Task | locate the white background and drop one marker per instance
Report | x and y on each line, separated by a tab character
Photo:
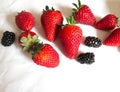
18	73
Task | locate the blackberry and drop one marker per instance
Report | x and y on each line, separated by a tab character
86	58
92	41
8	38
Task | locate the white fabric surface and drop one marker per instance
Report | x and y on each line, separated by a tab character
18	73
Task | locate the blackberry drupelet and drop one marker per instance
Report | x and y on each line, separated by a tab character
92	41
8	38
86	58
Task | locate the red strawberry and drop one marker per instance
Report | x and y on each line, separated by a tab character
27	39
113	39
46	56
70	36
108	22
25	20
42	54
83	14
50	20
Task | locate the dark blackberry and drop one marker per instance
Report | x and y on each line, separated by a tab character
86	58
8	38
92	41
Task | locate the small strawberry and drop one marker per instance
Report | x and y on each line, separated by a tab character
83	14
46	56
113	39
27	39
109	22
70	36
50	20
25	21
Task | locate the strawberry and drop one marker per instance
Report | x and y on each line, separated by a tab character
50	20
27	39
70	36
109	22
25	21
83	14
113	39
42	54
46	56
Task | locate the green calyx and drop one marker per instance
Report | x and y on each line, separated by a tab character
27	42
36	48
31	44
71	20
77	6
47	8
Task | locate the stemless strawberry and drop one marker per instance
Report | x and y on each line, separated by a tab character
113	39
25	20
109	22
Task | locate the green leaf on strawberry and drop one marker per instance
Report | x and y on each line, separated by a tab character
71	20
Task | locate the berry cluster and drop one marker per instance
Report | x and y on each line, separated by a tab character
88	58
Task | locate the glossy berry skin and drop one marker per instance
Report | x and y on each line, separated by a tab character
86	58
70	37
47	57
25	21
50	20
84	15
8	38
113	39
109	22
92	41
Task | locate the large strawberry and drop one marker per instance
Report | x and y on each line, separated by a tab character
83	14
46	56
113	39
50	20
25	20
27	39
109	22
70	36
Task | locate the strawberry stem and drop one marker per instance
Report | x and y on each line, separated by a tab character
79	3
47	8
77	6
71	20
